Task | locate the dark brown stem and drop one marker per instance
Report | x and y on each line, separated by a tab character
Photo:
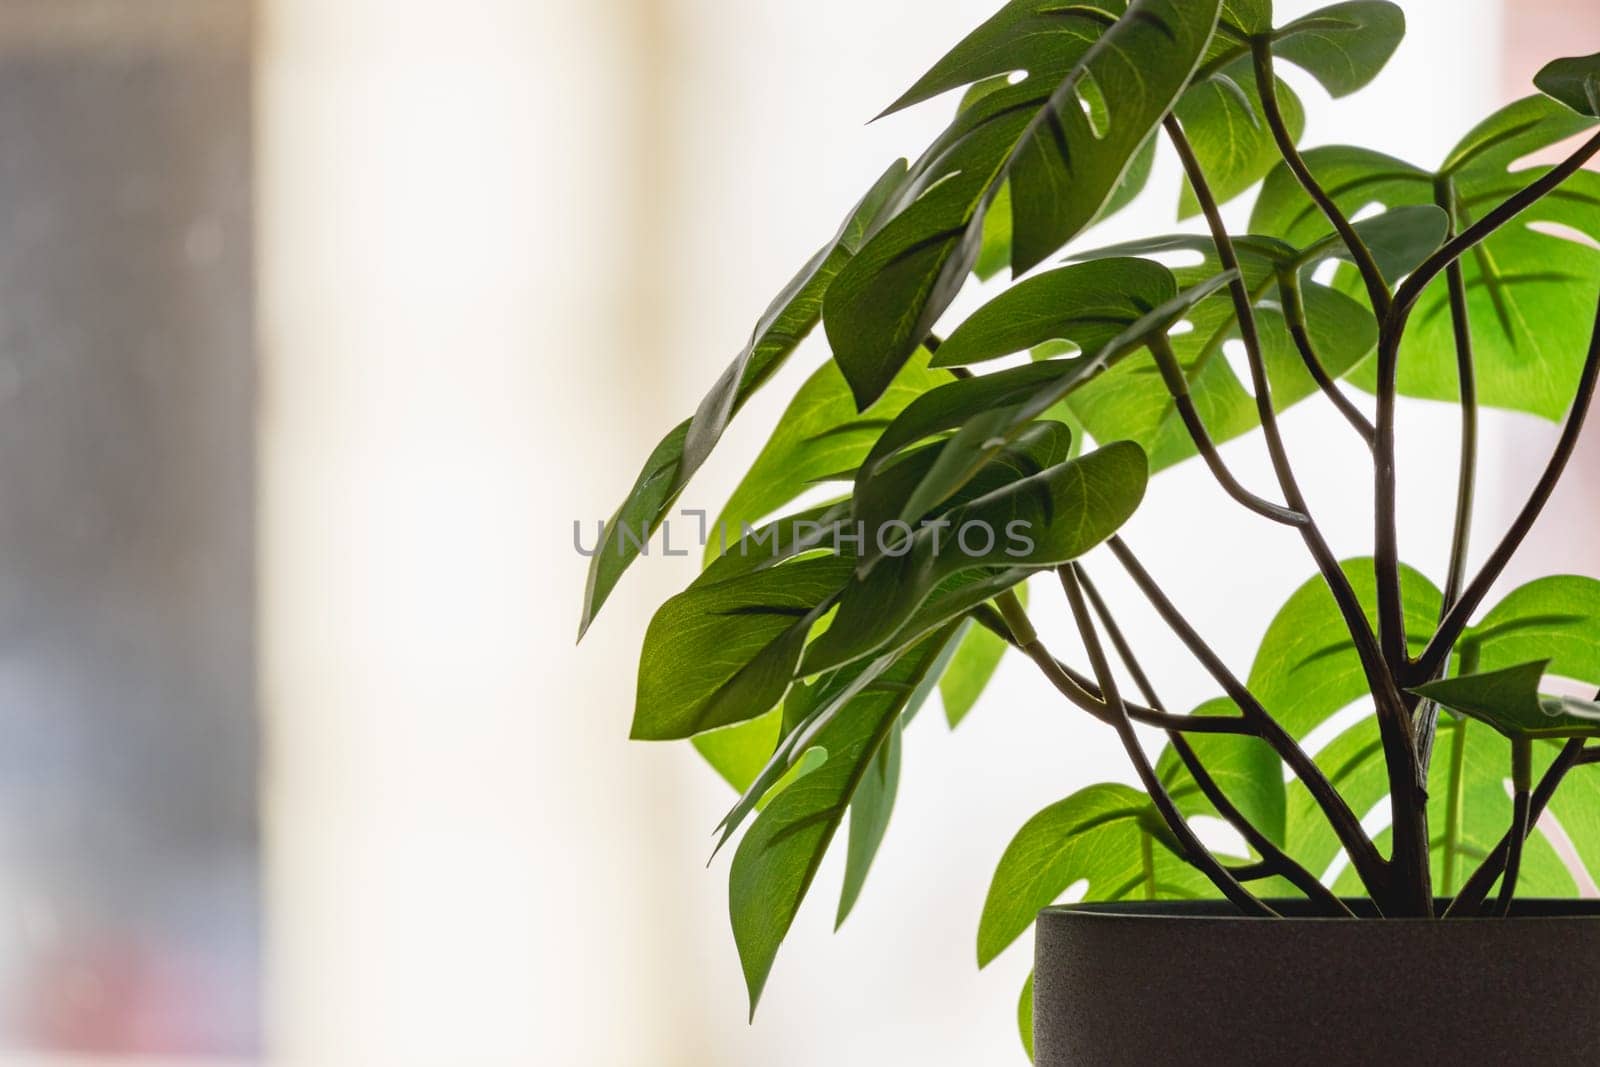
1084	694
1294	313
1195	852
1470	899
1178	387
1455	622
1267	86
1467	472
1273	859
1364	856
1412	288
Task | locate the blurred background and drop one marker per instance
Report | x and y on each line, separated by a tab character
321	323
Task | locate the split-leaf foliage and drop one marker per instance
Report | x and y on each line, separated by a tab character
877	550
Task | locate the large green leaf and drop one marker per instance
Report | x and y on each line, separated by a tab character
1246	769
1088	304
1106	835
1063	160
1529	290
819	438
779	856
1306	668
1555	618
1509	700
682	452
1034	523
724	652
1469	810
1575	82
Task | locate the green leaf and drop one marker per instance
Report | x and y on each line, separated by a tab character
870	809
1246	769
1509	701
1025	1016
1470	769
724	652
1575	82
1131	399
1343	46
1529	290
779	856
1095	835
1306	668
1041	135
682	452
1224	121
1555	618
739	752
1088	304
1037	522
978	656
924	484
819	438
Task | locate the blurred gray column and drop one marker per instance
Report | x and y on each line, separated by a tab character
128	907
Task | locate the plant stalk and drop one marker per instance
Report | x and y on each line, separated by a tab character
1195	852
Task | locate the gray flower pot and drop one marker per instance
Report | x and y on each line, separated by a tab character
1159	984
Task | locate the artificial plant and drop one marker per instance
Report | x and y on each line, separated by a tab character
809	641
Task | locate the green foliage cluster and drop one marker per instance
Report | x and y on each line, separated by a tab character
795	662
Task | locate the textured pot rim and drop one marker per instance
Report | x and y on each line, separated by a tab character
1534	910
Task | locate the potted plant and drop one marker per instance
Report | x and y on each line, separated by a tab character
797	657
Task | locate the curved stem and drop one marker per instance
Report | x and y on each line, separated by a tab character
1364	856
1294	313
1178	387
1274	861
1195	852
1380	663
1084	694
1412	288
1267	86
1521	777
1460	613
1466	478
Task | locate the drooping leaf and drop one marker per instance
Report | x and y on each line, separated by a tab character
1063	163
1509	700
1034	523
682	452
1088	304
779	856
1529	286
1575	82
978	656
925	483
724	652
1246	769
870	809
820	437
1106	835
